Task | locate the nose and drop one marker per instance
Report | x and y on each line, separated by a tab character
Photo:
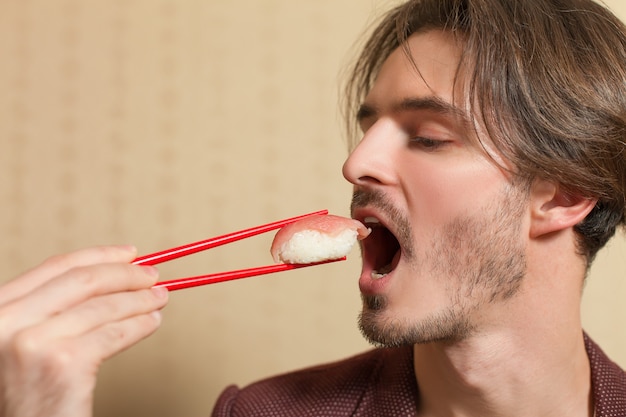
372	160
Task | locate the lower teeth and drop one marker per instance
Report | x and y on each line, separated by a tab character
382	272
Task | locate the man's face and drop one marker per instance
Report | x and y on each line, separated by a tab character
447	244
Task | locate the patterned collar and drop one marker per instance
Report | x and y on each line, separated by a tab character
608	382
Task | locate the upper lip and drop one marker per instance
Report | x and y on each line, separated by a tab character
363	213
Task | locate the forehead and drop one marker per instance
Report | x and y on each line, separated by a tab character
430	71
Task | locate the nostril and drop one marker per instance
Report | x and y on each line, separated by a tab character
359	170
350	171
368	180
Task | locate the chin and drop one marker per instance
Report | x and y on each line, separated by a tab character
382	328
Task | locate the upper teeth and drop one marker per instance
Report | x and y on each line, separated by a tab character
371	220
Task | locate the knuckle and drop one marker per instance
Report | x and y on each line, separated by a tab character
133	329
65	262
107	278
84	277
100	307
58	262
25	344
94	278
27	347
119	307
87	276
60	358
116	335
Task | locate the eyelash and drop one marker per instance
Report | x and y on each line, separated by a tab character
428	144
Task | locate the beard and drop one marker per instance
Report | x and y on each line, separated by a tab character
480	257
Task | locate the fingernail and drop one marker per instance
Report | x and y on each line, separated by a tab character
151	270
160	292
128	248
157	316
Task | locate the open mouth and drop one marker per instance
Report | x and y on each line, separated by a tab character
381	248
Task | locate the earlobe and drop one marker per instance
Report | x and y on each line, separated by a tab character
554	209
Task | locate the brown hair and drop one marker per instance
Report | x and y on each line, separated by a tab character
549	81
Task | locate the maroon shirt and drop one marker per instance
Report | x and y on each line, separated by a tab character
382	383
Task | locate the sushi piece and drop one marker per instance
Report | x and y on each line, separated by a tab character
316	239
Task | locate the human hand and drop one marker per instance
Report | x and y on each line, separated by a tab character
62	319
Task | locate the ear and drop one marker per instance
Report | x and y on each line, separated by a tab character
553	209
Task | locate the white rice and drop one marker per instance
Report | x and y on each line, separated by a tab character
310	246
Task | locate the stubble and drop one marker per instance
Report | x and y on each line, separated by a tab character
482	261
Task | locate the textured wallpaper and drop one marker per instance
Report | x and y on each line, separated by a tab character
162	122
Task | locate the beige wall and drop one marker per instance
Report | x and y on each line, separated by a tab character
160	122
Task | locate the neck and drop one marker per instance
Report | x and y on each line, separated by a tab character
504	375
533	366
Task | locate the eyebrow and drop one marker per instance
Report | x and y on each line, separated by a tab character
431	103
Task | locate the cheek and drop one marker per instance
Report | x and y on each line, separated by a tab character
436	192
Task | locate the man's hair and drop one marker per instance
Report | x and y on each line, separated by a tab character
548	79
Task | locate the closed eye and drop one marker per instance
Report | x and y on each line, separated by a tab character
427	144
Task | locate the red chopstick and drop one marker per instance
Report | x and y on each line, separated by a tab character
181	283
180	251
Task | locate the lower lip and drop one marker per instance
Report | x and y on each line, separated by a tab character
371	286
375	286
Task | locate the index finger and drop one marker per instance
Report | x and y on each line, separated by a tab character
60	264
